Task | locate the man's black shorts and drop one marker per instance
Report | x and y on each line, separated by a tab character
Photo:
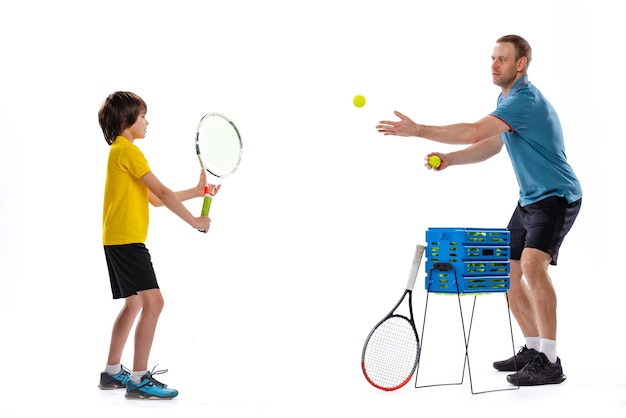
542	225
130	269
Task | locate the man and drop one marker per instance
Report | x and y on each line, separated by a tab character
549	199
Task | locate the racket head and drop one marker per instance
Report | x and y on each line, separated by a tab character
391	353
218	145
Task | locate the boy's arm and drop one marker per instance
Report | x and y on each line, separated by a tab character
196	191
170	199
181	195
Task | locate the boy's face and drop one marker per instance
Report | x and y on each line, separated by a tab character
138	130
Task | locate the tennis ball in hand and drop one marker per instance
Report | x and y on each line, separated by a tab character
434	161
359	100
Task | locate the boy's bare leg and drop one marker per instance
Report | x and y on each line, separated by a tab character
121	328
152	303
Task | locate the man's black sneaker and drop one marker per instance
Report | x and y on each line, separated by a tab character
517	362
540	371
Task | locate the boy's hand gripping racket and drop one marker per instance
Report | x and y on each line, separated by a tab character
219	148
392	349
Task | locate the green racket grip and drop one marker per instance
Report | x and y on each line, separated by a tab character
206	205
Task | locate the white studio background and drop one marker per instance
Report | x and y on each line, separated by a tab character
312	238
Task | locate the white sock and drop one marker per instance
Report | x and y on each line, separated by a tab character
533	342
548	347
137	376
113	369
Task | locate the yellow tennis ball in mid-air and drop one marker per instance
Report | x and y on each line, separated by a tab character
434	161
359	100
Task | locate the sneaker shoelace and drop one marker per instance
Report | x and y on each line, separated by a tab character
525	350
536	363
153	380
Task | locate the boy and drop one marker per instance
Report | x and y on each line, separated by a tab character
130	186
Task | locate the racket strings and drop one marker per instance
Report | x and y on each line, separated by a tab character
218	145
390	356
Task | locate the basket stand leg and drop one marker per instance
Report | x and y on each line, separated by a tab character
422	342
467	340
466	337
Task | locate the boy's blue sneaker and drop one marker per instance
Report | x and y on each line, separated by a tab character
149	388
114	381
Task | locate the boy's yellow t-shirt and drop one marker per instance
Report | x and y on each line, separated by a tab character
126	214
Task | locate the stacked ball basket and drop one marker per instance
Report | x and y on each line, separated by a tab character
467	260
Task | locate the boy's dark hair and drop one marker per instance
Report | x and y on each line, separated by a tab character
119	111
522	47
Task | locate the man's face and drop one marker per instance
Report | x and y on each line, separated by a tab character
504	66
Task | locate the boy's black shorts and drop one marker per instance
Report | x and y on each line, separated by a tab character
542	225
130	269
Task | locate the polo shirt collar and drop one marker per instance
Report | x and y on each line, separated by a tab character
519	83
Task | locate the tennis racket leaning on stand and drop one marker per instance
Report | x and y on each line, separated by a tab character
219	148
392	349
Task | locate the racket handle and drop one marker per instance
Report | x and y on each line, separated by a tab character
417	260
206	205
